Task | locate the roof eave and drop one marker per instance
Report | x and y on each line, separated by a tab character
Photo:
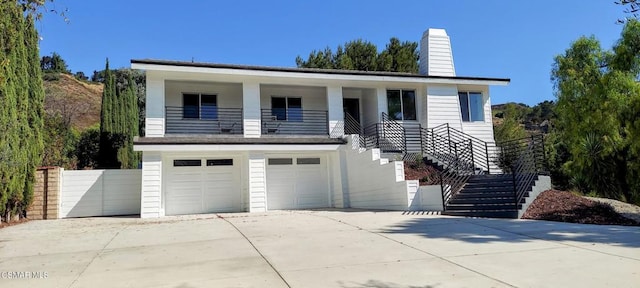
177	66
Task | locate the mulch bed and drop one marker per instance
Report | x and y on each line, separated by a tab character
562	206
425	173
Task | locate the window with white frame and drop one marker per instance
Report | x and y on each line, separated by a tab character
471	106
287	108
401	104
199	106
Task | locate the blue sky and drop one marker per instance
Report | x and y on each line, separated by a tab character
492	38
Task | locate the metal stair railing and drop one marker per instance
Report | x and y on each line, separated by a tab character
352	126
527	167
509	152
392	135
455	175
480	154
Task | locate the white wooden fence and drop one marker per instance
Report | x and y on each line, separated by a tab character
86	193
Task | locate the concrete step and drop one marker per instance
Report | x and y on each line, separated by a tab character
482	207
484	200
512	214
466	195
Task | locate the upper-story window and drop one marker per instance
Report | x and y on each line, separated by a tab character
471	106
287	108
401	104
199	106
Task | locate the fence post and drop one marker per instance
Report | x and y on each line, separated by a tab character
486	150
515	187
422	150
404	138
444	204
328	126
544	156
433	142
457	160
377	136
449	138
473	163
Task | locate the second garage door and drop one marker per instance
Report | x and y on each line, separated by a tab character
202	186
297	183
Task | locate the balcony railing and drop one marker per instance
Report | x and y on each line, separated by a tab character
203	120
294	122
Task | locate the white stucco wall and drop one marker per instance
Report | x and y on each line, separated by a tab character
542	184
335	111
252	120
313	98
369	104
426	198
154	113
229	95
374	183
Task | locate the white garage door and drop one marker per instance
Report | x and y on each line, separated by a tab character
202	186
297	183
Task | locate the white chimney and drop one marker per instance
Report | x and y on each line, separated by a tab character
436	58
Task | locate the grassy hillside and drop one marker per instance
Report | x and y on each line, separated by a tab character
78	102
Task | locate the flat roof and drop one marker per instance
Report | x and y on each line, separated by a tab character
308	70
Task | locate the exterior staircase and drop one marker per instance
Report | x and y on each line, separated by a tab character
477	178
486	196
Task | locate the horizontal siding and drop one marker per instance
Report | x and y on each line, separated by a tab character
443	106
154	127
257	184
150	203
440	59
481	130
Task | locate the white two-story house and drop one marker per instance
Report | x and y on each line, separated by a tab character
227	138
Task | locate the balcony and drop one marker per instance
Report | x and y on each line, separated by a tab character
203	120
294	122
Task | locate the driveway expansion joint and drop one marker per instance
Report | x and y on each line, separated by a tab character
257	250
104	248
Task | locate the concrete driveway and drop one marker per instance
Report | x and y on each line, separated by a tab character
318	249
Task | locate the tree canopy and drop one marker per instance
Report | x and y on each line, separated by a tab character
363	55
119	120
21	108
597	107
54	63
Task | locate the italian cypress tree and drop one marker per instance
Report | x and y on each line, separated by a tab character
35	112
21	108
105	112
118	122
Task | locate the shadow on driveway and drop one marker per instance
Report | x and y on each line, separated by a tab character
475	230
